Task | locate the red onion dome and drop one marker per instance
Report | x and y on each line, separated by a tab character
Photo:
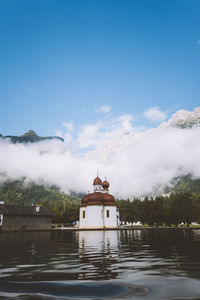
105	184
97	181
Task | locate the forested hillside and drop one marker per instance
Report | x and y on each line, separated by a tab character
170	210
185	184
182	204
65	207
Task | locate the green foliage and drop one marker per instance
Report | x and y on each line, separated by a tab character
172	210
65	207
186	184
181	206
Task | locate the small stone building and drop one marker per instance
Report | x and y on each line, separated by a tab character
15	218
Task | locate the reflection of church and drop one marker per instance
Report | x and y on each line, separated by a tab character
98	251
98	209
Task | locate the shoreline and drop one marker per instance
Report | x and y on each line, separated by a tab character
124	228
103	229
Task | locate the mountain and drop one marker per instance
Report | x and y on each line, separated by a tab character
30	137
185	118
185	184
182	119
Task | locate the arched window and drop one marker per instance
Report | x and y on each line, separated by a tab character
107	213
83	214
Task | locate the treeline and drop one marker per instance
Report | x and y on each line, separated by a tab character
182	206
162	211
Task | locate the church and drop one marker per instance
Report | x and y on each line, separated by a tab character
98	210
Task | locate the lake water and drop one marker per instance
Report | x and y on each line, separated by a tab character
125	264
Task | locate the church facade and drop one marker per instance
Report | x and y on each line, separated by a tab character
98	210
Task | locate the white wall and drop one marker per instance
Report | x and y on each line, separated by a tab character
82	221
112	220
93	217
96	217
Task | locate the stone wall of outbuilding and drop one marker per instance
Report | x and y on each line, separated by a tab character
16	223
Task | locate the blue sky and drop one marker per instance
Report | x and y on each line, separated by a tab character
84	61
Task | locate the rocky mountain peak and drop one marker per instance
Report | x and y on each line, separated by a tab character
30	133
185	118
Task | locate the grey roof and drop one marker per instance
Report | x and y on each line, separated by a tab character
16	210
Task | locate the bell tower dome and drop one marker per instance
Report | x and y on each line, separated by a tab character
97	184
105	186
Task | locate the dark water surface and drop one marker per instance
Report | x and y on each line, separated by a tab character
126	264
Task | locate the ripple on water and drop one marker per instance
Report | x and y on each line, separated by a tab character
78	290
145	258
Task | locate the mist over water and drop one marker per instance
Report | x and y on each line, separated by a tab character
135	264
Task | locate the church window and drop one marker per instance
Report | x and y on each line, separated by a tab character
107	213
83	214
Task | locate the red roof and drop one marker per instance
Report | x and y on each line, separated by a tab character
16	210
97	198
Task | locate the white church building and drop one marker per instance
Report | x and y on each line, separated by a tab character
98	209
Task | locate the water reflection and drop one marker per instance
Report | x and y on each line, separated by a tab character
151	258
98	252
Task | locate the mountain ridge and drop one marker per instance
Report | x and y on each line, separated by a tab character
29	137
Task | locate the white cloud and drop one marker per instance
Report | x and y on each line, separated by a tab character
104	109
155	114
94	135
136	163
68	138
125	121
58	133
88	135
68	125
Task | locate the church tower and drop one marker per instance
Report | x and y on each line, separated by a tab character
98	209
